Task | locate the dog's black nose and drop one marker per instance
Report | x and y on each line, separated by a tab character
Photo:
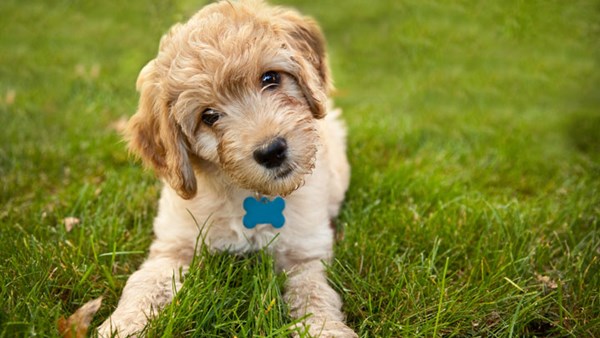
273	154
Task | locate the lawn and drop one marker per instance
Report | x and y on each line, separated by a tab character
474	138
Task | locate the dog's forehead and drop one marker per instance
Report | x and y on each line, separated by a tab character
226	49
234	30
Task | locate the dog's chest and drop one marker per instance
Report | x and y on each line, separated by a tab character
227	228
219	222
233	237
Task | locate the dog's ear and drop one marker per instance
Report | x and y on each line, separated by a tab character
306	39
153	134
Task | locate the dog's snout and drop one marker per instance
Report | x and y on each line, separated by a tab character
273	154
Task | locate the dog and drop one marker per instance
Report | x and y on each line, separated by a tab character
235	117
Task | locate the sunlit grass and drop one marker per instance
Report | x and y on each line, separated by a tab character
473	137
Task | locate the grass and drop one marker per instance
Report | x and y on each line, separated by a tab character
474	140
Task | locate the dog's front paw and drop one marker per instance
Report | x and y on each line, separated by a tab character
120	327
325	329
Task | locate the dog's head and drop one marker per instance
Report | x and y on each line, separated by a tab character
237	88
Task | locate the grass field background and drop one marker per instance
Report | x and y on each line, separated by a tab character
474	140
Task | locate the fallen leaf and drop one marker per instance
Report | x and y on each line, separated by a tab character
95	71
547	281
119	125
76	326
70	222
10	97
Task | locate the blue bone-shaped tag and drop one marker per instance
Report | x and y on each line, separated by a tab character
263	211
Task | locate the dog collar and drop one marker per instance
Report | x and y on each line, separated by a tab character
261	210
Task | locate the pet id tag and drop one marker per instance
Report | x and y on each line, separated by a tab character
263	211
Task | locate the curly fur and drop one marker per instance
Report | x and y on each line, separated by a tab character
215	60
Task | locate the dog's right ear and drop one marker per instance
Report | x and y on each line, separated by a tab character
305	37
154	135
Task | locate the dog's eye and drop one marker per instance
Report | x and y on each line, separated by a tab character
210	117
270	80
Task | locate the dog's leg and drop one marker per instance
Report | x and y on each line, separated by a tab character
147	291
308	293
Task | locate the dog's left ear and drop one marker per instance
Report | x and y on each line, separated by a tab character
307	41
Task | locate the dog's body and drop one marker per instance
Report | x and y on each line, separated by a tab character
234	107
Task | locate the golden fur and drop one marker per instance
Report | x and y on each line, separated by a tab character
215	61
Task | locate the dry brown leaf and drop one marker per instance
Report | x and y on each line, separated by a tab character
9	99
95	71
547	281
119	125
70	222
77	325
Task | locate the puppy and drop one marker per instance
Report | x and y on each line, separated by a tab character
234	117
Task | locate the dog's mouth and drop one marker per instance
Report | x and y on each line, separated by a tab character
283	173
276	168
